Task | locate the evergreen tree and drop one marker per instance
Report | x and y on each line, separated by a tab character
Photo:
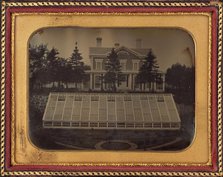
47	67
148	70
76	58
113	75
64	71
78	73
180	80
37	65
53	66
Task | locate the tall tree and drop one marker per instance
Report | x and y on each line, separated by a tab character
175	76
77	66
113	75
148	70
180	80
64	71
37	65
53	66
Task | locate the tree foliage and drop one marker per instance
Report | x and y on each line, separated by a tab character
53	65
180	77
37	65
76	58
47	67
180	80
113	75
77	66
64	72
148	70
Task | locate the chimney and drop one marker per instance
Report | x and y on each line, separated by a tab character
116	45
138	43
99	41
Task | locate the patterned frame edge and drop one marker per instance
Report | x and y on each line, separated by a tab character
216	5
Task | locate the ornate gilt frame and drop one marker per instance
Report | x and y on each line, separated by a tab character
12	134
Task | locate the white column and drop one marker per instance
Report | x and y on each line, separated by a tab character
132	82
91	79
154	84
164	82
102	83
129	76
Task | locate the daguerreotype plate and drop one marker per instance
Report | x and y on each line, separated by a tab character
111	88
129	89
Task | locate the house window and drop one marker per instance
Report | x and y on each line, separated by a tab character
98	65
94	98
78	98
61	98
135	66
127	98
159	86
159	83
111	98
160	99
123	66
148	85
97	82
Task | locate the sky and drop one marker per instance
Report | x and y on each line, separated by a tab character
170	45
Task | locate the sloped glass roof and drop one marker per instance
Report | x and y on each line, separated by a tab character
111	110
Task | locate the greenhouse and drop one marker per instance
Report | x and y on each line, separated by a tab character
111	111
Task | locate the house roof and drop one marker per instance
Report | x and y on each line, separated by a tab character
111	110
104	51
99	50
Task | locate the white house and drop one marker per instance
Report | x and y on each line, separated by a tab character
130	59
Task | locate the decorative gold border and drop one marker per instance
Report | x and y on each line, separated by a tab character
3	88
114	4
219	76
108	4
22	132
209	85
115	173
12	84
